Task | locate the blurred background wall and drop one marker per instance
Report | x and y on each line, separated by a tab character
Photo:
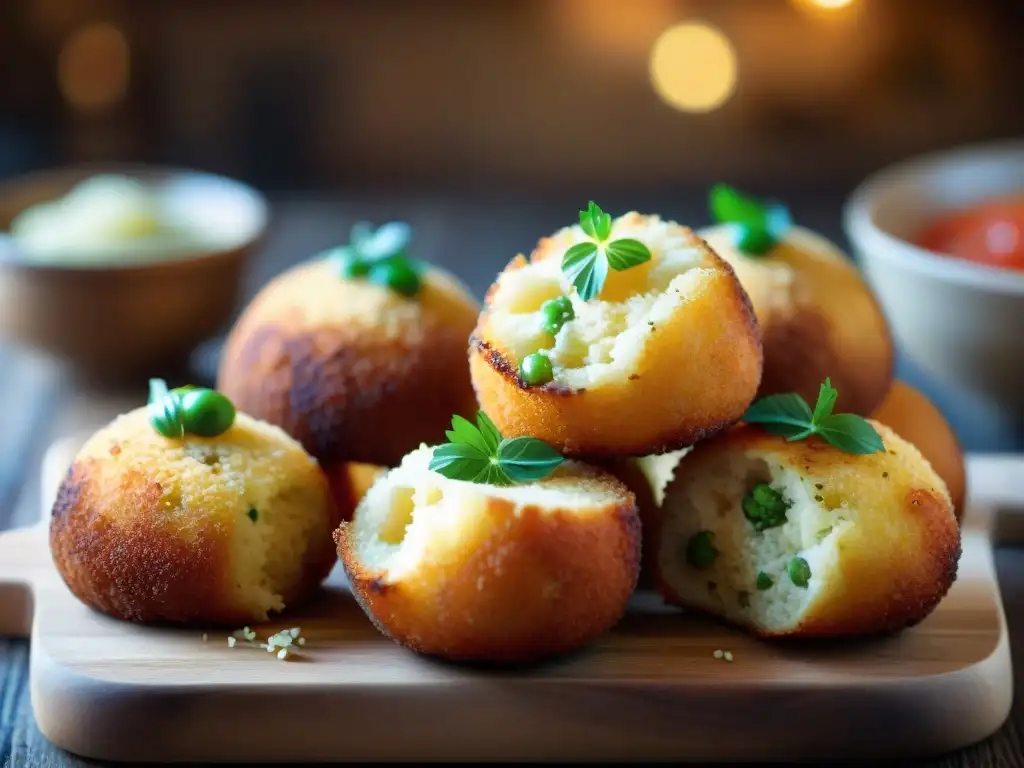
530	97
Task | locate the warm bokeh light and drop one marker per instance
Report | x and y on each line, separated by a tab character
824	5
693	67
601	27
93	67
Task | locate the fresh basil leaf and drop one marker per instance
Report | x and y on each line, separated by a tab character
463	431
490	432
586	269
157	390
493	474
166	415
789	409
729	205
600	221
626	253
524	458
779	220
753	240
827	395
389	240
603	225
587	222
850	433
361	232
459	461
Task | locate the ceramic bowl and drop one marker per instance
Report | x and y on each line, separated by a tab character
958	321
123	317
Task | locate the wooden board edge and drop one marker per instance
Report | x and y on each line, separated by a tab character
529	719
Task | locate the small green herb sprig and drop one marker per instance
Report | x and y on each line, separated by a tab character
193	410
758	226
380	256
479	454
586	264
789	415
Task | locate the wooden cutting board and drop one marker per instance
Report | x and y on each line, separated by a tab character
651	689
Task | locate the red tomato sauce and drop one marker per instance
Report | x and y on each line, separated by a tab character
989	233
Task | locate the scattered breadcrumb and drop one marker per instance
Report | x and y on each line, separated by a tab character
283	644
205	637
720	654
728	656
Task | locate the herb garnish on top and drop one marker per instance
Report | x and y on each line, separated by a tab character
789	415
380	256
758	226
586	264
479	454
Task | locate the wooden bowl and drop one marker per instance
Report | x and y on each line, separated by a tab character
126	317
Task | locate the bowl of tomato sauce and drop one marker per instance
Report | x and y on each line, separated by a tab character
940	238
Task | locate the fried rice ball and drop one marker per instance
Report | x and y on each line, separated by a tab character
817	317
911	415
801	539
354	371
668	353
473	572
211	530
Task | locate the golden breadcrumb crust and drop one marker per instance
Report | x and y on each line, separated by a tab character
818	318
146	529
630	475
352	370
522	584
894	565
915	418
696	375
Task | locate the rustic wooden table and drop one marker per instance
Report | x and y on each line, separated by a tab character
474	238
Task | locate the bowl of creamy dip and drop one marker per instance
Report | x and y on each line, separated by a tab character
121	270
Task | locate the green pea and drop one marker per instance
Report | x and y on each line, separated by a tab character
764	581
700	550
799	571
536	369
208	413
557	312
754	240
398	274
764	507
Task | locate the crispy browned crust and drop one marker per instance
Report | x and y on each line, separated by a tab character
138	567
649	513
345	394
537	584
661	407
915	591
882	584
912	416
799	353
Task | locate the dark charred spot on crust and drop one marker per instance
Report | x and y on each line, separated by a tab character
115	448
379	587
634	376
503	366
